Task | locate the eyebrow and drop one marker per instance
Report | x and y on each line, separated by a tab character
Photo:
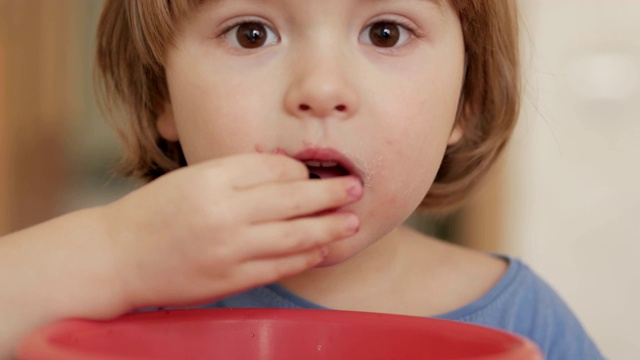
440	5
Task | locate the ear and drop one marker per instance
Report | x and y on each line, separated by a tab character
456	134
165	123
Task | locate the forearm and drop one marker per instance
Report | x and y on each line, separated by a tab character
55	270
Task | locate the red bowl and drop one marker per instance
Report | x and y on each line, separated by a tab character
271	334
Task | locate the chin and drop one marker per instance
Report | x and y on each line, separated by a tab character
334	257
340	252
329	261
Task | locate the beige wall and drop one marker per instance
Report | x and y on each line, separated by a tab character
572	205
35	95
54	147
3	122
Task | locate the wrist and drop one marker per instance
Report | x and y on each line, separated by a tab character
93	274
65	268
59	269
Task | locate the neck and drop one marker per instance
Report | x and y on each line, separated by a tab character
348	284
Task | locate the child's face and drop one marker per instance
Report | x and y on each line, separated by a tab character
377	81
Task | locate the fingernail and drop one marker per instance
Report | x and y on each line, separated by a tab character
354	188
352	223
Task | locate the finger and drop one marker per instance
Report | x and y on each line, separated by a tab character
288	237
268	270
247	170
278	201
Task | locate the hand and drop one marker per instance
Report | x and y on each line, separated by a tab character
220	227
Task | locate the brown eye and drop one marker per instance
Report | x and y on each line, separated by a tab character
384	34
250	35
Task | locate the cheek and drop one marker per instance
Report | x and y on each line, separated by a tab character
214	121
413	148
414	167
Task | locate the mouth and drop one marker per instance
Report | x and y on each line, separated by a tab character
325	163
325	169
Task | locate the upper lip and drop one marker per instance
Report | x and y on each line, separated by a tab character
328	154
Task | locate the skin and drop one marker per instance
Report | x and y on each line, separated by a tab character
318	80
235	218
400	101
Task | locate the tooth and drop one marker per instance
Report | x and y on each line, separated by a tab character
313	163
329	163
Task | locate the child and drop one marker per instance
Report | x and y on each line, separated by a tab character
392	104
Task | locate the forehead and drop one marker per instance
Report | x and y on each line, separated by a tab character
440	6
438	3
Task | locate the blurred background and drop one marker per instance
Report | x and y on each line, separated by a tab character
565	197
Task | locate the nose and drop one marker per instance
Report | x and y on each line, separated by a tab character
320	88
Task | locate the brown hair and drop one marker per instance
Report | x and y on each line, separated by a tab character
134	35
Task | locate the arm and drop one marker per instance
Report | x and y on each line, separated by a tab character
55	270
194	235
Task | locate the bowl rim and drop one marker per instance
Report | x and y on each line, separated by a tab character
41	340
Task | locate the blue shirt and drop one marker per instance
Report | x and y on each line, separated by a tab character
520	303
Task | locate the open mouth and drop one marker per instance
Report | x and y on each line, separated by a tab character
325	163
325	169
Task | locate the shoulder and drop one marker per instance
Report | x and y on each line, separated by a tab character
521	302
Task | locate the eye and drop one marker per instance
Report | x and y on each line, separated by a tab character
385	34
250	35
